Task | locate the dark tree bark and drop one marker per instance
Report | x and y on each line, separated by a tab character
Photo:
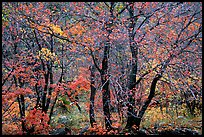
22	115
131	120
20	98
46	76
151	95
93	92
51	76
190	105
105	88
131	86
21	104
104	72
38	96
137	119
60	81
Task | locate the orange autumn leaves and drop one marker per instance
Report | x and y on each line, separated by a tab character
80	84
38	120
77	29
73	33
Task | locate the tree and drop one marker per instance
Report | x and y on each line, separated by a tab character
34	66
142	10
138	53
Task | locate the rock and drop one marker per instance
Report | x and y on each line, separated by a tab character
63	119
190	132
180	116
142	132
61	131
156	126
170	124
179	131
84	130
161	123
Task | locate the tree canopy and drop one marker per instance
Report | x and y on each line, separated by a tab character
112	61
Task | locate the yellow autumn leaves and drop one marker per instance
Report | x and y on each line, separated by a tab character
51	29
46	54
76	33
77	29
56	29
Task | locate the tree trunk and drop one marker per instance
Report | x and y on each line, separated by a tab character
46	76
132	119
51	76
131	85
147	102
21	104
104	72
60	81
93	92
105	88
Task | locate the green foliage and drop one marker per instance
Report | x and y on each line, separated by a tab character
5	16
119	6
63	105
154	118
72	119
46	44
64	100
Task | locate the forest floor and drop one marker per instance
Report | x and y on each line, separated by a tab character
155	122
